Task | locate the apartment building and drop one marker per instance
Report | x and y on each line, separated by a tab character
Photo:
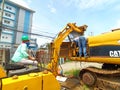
16	21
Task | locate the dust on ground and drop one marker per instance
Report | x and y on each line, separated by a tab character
75	83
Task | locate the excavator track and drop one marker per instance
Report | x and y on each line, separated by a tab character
101	79
102	71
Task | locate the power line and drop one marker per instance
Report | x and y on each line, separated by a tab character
34	28
27	32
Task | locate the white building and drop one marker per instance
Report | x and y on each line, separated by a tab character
16	21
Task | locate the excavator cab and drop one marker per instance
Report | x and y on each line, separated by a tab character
66	50
70	49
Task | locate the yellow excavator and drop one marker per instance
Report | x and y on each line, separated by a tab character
104	48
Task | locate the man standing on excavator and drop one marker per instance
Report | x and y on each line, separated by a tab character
81	41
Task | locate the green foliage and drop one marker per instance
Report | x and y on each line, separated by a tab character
67	60
85	87
72	72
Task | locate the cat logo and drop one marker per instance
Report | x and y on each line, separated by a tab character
115	53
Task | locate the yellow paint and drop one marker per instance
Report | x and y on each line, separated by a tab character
24	82
111	38
50	82
32	81
98	59
2	72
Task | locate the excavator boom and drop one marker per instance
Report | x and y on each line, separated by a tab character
56	44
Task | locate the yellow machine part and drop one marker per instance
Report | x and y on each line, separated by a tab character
2	72
97	59
111	38
50	82
32	81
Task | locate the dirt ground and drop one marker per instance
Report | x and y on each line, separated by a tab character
75	83
78	65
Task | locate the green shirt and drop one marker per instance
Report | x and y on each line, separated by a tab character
20	53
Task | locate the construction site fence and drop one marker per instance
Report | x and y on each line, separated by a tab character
41	56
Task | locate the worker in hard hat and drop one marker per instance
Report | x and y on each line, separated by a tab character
21	55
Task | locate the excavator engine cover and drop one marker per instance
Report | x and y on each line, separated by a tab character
31	81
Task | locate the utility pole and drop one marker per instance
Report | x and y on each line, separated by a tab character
91	34
1	16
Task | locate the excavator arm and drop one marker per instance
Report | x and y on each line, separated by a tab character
53	66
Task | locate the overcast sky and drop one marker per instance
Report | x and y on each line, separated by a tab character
52	15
